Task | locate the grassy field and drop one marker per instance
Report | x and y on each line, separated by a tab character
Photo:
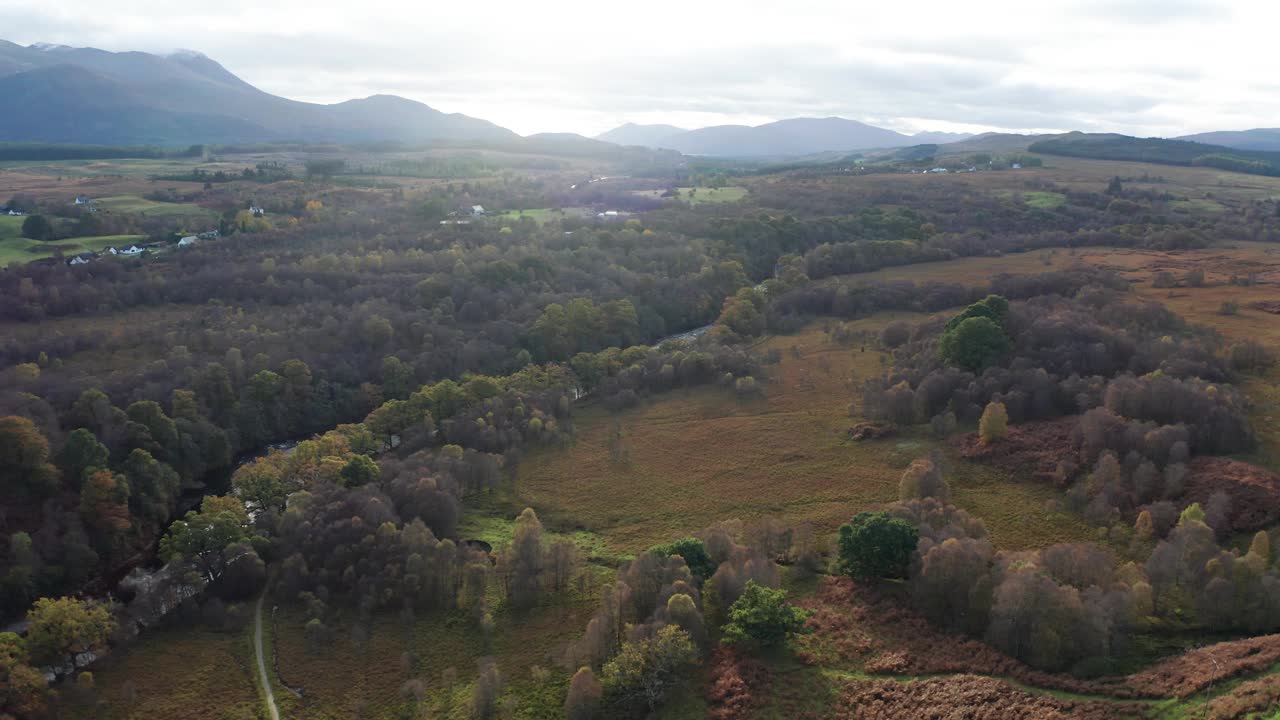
693	458
21	250
545	215
1045	200
698	196
174	673
134	204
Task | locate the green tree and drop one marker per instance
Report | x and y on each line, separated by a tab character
993	307
694	552
875	545
81	452
261	483
639	678
201	537
1115	187
359	470
763	615
973	344
60	627
37	227
22	687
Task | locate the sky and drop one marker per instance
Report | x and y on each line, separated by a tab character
1144	67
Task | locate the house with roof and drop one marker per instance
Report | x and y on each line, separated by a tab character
477	210
256	211
83	258
133	250
188	241
210	235
83	200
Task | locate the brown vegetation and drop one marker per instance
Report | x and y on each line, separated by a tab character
1036	446
739	684
1254	491
971	697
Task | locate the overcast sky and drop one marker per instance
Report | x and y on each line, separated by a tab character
1148	67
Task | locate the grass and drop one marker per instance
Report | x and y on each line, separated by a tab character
538	215
695	457
1198	207
137	205
174	673
22	250
1045	200
701	195
358	675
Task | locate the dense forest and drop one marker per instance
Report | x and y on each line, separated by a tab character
415	359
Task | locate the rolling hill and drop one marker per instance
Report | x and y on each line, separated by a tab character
1106	146
785	138
1264	139
91	96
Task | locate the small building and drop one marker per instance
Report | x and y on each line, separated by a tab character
210	235
256	211
83	258
15	213
110	251
133	250
1016	166
83	200
188	241
938	170
477	210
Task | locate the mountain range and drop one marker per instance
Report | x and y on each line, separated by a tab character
60	94
91	96
796	136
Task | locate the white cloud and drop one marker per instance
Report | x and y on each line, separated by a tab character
1139	66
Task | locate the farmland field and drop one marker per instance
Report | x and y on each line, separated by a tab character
150	208
22	250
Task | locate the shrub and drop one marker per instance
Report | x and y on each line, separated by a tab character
895	334
638	679
923	479
994	424
585	694
694	553
876	545
763	615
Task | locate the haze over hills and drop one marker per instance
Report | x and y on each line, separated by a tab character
647	135
94	96
1265	139
791	137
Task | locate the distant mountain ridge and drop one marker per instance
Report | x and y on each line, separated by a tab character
91	96
1264	139
784	138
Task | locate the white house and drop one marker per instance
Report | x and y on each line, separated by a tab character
83	200
257	211
15	212
1017	166
133	250
211	235
477	210
188	241
81	259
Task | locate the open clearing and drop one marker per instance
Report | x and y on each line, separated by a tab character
149	208
691	458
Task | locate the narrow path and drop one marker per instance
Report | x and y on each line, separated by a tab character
262	662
